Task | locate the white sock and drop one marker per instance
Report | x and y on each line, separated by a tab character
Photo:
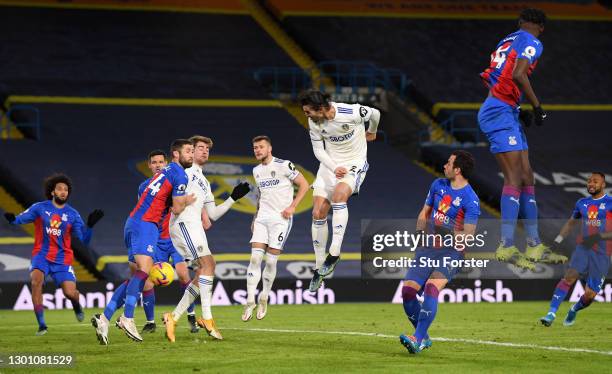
319	240
254	273
339	221
269	273
206	284
191	293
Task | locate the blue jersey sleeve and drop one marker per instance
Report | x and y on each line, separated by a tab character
528	47
29	215
142	187
472	210
576	213
80	230
429	200
179	182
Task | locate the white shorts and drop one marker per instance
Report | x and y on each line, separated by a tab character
189	240
271	231
326	180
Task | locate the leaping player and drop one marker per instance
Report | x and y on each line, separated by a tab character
272	223
507	78
189	239
338	137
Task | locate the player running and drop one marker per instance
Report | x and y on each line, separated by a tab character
189	239
272	222
593	249
507	78
55	223
338	139
451	208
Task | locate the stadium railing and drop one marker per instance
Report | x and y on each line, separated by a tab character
462	125
22	117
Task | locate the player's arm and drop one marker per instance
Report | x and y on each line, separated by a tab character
519	75
303	187
206	223
179	203
569	225
371	118
217	211
422	218
256	210
180	200
318	148
28	216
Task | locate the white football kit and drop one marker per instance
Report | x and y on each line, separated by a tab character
186	229
275	184
341	142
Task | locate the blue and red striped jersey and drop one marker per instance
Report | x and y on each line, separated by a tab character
157	196
498	76
53	230
596	215
451	208
164	230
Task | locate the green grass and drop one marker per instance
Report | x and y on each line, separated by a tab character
309	351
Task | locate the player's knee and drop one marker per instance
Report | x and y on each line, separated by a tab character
571	276
37	282
319	213
274	251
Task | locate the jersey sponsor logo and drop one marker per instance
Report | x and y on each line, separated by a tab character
444	205
592	216
342	138
54	226
269	183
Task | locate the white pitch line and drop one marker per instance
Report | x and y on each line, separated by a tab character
386	336
453	340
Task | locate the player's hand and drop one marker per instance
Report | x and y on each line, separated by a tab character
539	115
288	212
10	217
370	136
240	191
526	117
590	240
340	172
190	199
94	217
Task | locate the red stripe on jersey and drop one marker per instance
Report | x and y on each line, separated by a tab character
38	236
459	220
165	234
53	248
608	229
68	253
505	89
158	205
143	196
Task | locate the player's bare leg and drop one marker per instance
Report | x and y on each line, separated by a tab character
269	274
258	251
135	286
37	278
340	216
205	276
72	294
511	166
183	274
320	232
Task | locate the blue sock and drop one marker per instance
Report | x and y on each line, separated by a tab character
581	304
39	310
192	306
412	306
428	312
559	295
134	288
116	301
529	212
510	204
148	303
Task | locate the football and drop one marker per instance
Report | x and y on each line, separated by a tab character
161	274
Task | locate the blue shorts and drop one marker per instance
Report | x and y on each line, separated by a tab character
421	271
499	121
592	266
140	238
59	272
166	251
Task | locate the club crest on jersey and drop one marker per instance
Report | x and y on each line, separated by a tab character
345	127
150	248
64	217
273	173
457	201
512	140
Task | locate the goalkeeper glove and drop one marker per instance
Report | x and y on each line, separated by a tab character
539	115
240	190
94	217
10	217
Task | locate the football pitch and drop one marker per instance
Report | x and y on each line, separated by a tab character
330	338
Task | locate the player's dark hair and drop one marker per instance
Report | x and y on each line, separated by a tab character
157	152
314	99
52	181
600	174
464	161
533	15
259	138
178	144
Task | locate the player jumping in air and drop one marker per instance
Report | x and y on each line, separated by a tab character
187	233
593	249
451	209
272	222
338	137
55	223
507	78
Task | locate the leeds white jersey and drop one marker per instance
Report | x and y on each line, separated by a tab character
275	184
199	186
344	136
